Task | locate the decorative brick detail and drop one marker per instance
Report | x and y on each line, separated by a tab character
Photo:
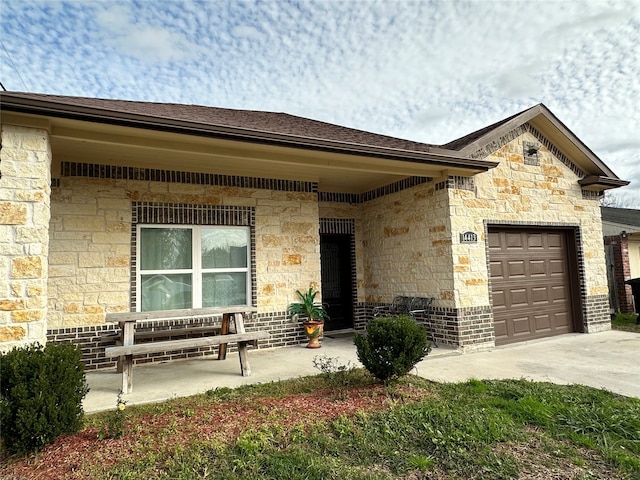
189	214
555	151
338	225
94	339
530	153
596	314
458	183
466	328
373	194
86	170
499	143
591	195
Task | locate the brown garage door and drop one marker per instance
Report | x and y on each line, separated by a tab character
530	283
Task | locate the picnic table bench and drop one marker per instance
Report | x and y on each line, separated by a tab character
418	308
126	347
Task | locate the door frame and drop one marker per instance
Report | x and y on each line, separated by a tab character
343	227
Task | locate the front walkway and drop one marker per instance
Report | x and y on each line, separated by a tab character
608	360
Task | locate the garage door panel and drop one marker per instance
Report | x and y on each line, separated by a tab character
534	241
514	241
542	323
561	320
516	269
521	325
518	297
499	300
530	283
556	241
539	295
501	329
559	293
557	266
496	270
537	268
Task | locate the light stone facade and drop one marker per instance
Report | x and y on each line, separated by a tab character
516	193
67	252
91	226
25	178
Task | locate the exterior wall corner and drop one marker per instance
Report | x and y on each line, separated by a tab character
25	189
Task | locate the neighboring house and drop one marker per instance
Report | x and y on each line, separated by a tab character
111	206
621	230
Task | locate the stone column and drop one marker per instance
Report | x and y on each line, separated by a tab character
25	190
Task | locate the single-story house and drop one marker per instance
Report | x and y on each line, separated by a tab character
621	230
114	206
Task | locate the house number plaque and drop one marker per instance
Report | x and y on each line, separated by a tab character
468	237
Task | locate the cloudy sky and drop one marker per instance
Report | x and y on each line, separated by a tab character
429	71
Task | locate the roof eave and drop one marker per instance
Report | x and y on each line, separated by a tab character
600	183
535	115
444	158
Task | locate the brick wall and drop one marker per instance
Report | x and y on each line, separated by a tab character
622	270
93	339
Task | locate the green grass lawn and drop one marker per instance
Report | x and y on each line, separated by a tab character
348	426
626	322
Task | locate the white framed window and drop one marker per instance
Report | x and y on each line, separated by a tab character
192	266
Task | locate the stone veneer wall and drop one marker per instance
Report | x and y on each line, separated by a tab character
543	193
91	245
406	243
25	165
406	239
402	247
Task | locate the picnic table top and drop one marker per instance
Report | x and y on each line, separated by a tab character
178	314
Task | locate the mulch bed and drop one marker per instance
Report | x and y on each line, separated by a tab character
68	456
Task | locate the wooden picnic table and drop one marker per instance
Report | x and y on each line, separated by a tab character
127	347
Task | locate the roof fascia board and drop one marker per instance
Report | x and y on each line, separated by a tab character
598	182
98	115
500	131
528	116
564	130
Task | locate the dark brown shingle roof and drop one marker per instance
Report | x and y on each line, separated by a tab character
279	123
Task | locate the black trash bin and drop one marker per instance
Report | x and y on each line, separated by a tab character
635	291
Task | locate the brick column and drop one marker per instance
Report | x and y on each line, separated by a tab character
25	188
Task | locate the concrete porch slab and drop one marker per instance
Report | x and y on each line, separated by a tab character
609	360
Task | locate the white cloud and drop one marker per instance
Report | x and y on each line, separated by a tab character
135	37
430	71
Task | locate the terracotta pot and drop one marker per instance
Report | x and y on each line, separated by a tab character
313	329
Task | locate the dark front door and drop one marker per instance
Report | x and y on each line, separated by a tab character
337	288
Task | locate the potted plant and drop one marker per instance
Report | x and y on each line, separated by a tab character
314	315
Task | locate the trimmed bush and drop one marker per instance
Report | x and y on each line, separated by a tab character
391	347
41	395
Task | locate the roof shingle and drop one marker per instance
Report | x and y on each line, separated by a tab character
279	123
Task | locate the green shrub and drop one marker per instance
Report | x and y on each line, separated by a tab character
392	347
41	395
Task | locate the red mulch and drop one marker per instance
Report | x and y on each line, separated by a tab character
223	420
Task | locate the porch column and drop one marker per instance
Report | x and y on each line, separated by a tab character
25	191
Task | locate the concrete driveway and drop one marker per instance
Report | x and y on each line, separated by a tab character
609	360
